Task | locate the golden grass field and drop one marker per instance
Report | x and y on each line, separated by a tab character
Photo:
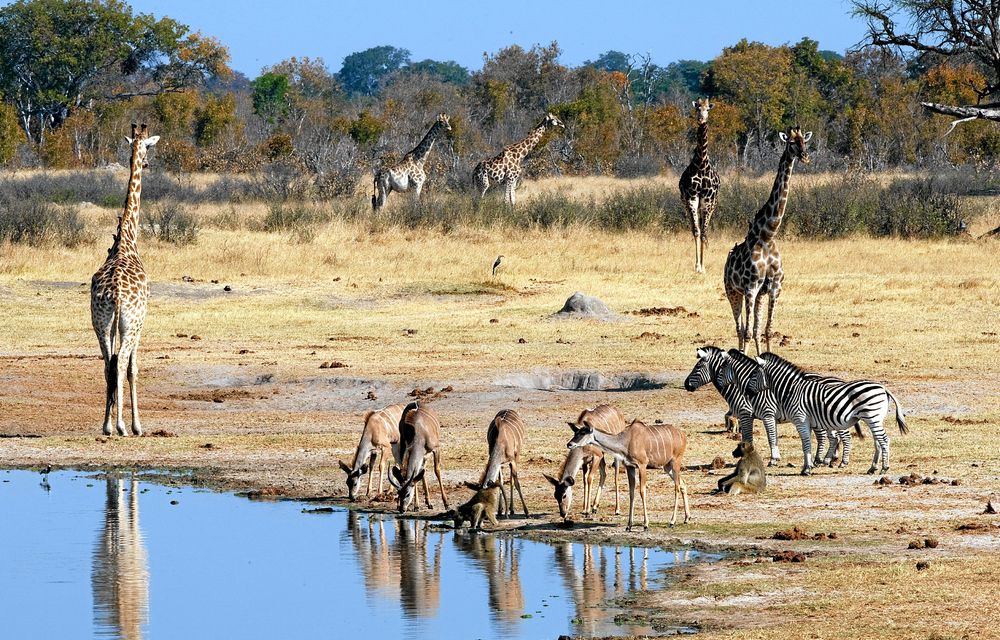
404	309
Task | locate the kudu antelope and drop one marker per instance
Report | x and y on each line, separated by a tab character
419	437
581	458
640	446
610	420
380	434
505	437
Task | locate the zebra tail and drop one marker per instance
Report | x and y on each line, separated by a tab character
858	431
900	418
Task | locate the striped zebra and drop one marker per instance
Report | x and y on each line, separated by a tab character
730	373
829	404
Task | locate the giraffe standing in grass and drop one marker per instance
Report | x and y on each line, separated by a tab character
409	172
753	266
699	186
505	168
119	292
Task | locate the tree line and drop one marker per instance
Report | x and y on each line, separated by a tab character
75	73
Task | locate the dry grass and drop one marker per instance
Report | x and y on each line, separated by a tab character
413	308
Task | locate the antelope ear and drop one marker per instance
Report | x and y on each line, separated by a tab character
808	136
364	469
552	481
149	142
397	474
570	481
417	477
573	426
343	465
782	136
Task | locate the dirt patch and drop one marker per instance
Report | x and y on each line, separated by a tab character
665	311
789	556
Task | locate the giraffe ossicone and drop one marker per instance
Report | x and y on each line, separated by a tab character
119	294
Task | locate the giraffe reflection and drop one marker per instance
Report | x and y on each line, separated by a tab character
400	566
498	559
120	571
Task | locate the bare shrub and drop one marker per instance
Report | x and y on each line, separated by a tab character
169	222
35	223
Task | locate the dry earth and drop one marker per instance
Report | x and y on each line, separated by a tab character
232	390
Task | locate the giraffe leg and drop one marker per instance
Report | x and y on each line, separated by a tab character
418	186
736	303
121	371
749	299
707	209
133	379
511	191
691	204
772	300
758	311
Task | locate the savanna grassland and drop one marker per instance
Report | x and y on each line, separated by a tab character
233	386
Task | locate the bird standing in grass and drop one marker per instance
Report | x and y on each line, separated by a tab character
496	264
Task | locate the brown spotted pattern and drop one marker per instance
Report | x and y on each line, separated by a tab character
409	172
699	186
505	167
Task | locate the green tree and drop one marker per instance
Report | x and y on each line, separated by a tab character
449	71
363	71
611	61
214	118
270	96
59	55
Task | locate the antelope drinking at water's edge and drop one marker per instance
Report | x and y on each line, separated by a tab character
584	458
640	446
380	435
505	437
609	420
419	437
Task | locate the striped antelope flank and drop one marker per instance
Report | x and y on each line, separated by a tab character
419	437
639	447
609	420
505	437
381	434
581	458
811	401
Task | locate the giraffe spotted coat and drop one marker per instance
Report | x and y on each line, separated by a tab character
699	186
409	172
505	167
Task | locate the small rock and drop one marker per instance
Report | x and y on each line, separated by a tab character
187	278
181	335
789	556
923	564
990	509
325	365
215	282
956	482
493	321
915	544
522	341
371	396
208	445
931	543
196	337
244	351
227	288
718	463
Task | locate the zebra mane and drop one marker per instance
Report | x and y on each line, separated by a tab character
712	350
778	361
742	358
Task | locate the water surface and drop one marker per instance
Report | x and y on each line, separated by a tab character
113	556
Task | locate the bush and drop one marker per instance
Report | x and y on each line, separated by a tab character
295	217
638	208
35	223
169	222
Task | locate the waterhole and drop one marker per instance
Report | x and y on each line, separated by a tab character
115	556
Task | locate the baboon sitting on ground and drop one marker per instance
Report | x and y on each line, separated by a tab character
481	505
749	475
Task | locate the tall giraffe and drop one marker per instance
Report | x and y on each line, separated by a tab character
699	186
119	292
754	265
505	167
408	172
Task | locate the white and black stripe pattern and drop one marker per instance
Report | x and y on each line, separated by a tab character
811	401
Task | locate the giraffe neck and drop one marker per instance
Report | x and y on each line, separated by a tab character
128	225
768	219
524	147
700	159
419	154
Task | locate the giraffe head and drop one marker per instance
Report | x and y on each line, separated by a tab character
701	108
551	121
442	122
140	143
795	141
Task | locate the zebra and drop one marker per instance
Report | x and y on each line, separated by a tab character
730	372
829	404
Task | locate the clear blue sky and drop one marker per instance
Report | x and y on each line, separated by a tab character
260	33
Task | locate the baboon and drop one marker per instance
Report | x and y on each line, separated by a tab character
749	475
481	505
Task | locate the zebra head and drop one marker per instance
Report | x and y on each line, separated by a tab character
758	382
702	374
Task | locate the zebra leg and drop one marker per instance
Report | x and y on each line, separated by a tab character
803	428
772	439
831	454
846	457
881	439
746	426
821	442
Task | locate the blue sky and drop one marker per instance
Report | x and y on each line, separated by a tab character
260	33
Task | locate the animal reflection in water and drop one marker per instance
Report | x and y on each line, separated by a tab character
498	559
606	573
407	567
120	571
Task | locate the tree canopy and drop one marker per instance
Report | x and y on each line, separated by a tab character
59	55
363	71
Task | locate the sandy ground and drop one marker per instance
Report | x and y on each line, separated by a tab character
238	406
